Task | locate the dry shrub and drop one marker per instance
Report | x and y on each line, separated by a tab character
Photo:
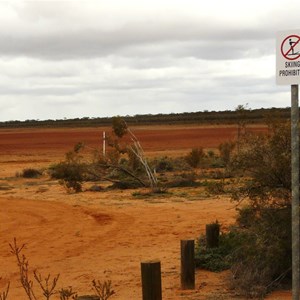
215	187
4	294
263	260
195	157
31	173
47	285
251	282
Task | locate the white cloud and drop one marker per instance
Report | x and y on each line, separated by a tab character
101	58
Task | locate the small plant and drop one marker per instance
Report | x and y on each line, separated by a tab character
71	172
3	295
215	187
31	173
103	289
23	265
160	192
67	293
218	258
195	157
226	150
45	284
183	180
163	164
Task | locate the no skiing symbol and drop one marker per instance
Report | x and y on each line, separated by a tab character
290	47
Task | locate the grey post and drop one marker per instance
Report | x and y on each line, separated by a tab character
295	190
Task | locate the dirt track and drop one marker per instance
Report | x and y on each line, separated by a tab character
100	235
87	239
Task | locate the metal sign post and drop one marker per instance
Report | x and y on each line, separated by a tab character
288	72
295	190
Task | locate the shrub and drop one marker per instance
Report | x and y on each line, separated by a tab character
183	180
195	157
226	150
245	217
31	173
47	285
260	263
264	259
159	192
163	164
215	187
220	258
125	184
182	183
70	174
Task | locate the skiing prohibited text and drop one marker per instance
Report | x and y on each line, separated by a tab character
288	57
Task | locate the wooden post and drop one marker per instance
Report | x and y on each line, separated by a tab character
212	235
187	264
104	145
151	280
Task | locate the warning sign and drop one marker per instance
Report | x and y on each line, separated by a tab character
288	57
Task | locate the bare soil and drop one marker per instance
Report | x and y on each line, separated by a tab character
106	235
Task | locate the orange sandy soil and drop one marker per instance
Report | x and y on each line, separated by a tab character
106	235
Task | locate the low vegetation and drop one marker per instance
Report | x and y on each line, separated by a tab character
258	248
30	173
45	287
255	171
201	117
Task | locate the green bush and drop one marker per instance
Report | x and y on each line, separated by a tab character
70	174
169	164
163	164
183	180
125	184
220	258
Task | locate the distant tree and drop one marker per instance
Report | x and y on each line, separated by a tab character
119	126
123	157
242	112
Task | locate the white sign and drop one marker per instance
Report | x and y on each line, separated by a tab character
288	57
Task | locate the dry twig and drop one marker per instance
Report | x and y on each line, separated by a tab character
46	286
103	290
3	295
23	269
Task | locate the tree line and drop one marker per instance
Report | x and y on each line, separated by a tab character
251	116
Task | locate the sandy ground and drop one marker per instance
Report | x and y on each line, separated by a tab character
103	235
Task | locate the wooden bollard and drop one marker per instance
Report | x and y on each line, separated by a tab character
212	235
151	280
187	264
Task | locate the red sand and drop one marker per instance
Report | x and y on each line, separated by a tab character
104	235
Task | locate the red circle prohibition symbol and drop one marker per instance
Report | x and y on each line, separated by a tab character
291	46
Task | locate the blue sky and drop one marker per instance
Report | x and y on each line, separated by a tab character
94	58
